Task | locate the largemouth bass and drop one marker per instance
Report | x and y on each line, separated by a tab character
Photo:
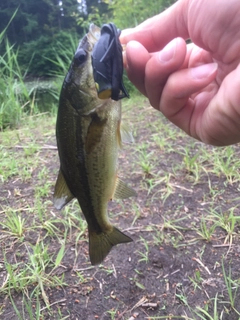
88	132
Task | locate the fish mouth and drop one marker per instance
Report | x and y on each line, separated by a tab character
93	33
89	40
84	44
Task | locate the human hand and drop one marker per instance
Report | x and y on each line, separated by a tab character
196	86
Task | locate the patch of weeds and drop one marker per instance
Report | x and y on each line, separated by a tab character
26	173
21	277
30	149
136	212
59	257
8	165
14	224
175	241
206	230
72	214
226	163
203	313
15	279
40	207
112	313
173	225
191	164
182	297
232	288
83	278
161	141
55	228
43	173
160	235
135	280
196	280
144	159
43	190
166	187
144	253
215	308
151	183
227	221
28	311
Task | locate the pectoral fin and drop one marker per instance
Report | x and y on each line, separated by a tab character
62	195
122	190
124	134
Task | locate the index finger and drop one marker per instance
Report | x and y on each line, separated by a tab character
156	32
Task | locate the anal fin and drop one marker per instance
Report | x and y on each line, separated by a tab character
122	190
62	194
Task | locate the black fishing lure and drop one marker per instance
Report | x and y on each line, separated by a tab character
107	64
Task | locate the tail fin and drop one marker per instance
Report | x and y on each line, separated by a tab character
100	244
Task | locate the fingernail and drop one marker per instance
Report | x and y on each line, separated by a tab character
204	71
168	51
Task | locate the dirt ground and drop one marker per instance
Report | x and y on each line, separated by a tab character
174	268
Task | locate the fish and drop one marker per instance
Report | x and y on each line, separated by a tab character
89	134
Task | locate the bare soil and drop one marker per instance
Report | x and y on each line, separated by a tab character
149	278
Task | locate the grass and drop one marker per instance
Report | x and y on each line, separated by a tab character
14	99
185	225
19	98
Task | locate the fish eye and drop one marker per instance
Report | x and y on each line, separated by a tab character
80	56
